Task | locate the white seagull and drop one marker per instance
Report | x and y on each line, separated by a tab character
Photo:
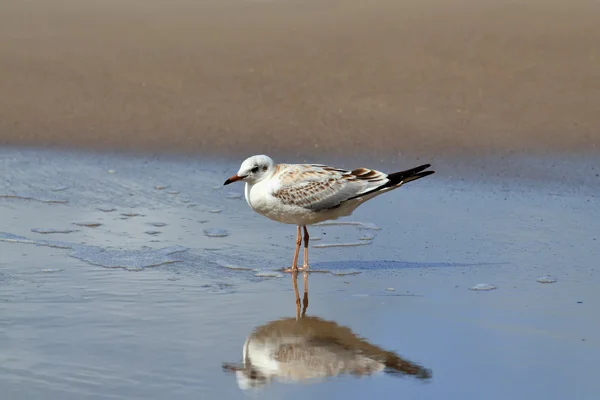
306	194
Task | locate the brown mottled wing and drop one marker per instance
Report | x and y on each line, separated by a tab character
318	187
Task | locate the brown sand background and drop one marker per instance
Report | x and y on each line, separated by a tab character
301	76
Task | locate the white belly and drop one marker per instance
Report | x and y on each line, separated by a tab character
268	206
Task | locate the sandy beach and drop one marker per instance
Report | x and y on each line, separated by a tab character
301	77
128	271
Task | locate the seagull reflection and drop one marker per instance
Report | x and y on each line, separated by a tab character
310	349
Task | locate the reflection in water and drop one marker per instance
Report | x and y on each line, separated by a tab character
309	348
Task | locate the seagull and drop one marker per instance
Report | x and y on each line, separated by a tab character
306	194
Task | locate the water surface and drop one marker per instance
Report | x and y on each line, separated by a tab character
93	306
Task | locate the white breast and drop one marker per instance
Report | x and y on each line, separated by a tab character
259	198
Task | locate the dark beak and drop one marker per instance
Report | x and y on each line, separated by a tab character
233	179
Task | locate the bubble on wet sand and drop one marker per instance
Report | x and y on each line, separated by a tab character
132	260
52	230
51	270
349	244
216	232
41	199
546	279
106	209
88	224
482	287
132	214
157	224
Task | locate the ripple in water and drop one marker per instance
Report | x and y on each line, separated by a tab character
52	230
236	268
344	273
268	274
157	224
153	233
215	211
350	244
233	195
546	279
131	260
359	225
41	199
483	287
161	187
216	232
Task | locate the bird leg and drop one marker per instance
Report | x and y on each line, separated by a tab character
297	252
306	239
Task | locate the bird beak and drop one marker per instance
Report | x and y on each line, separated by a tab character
233	179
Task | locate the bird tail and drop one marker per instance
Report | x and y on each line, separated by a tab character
402	177
396	180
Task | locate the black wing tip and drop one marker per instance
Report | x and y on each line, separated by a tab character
400	178
417	169
409	175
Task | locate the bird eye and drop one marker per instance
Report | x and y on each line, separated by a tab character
254	170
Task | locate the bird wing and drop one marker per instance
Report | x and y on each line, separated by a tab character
319	187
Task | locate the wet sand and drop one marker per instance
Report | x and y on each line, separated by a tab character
140	300
301	77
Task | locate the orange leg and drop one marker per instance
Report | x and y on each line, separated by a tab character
306	239
297	252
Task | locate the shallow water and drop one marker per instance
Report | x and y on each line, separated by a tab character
112	311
